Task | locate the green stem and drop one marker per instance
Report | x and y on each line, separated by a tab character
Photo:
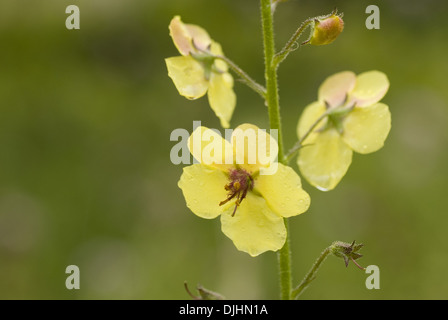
272	101
292	44
299	144
272	98
284	265
311	274
245	78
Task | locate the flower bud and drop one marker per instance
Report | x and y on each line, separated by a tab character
208	294
204	294
326	30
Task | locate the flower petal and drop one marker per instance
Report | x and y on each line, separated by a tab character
366	129
203	190
188	76
255	148
283	192
201	39
181	37
371	87
188	37
308	118
221	97
335	88
216	50
209	148
325	161
254	228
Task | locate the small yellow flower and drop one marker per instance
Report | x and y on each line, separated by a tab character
233	181
196	72
356	121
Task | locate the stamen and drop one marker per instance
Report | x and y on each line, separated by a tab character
228	199
236	206
240	183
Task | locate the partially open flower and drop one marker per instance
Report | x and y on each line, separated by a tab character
235	180
355	121
196	72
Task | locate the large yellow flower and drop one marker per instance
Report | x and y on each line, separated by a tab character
241	181
196	72
356	121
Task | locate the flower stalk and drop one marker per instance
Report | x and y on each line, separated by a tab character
272	101
292	43
244	77
311	275
346	251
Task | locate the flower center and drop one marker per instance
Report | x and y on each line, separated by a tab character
337	114
240	183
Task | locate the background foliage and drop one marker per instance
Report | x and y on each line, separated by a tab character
85	174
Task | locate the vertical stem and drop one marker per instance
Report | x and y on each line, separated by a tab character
284	265
272	100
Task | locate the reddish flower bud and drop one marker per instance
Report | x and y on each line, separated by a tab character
326	30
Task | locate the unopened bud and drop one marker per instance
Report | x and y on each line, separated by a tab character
204	294
326	29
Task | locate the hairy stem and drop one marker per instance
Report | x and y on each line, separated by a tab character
311	274
292	43
299	144
245	78
272	101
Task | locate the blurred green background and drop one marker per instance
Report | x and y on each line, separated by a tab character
86	178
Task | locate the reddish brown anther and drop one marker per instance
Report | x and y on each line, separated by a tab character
240	183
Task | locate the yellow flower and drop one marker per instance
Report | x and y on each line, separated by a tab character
251	192
196	72
356	121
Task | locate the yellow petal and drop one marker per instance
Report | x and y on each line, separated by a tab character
309	116
216	50
335	88
325	161
370	88
203	189
181	37
283	192
254	228
188	76
221	97
254	148
366	129
201	39
187	37
209	148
